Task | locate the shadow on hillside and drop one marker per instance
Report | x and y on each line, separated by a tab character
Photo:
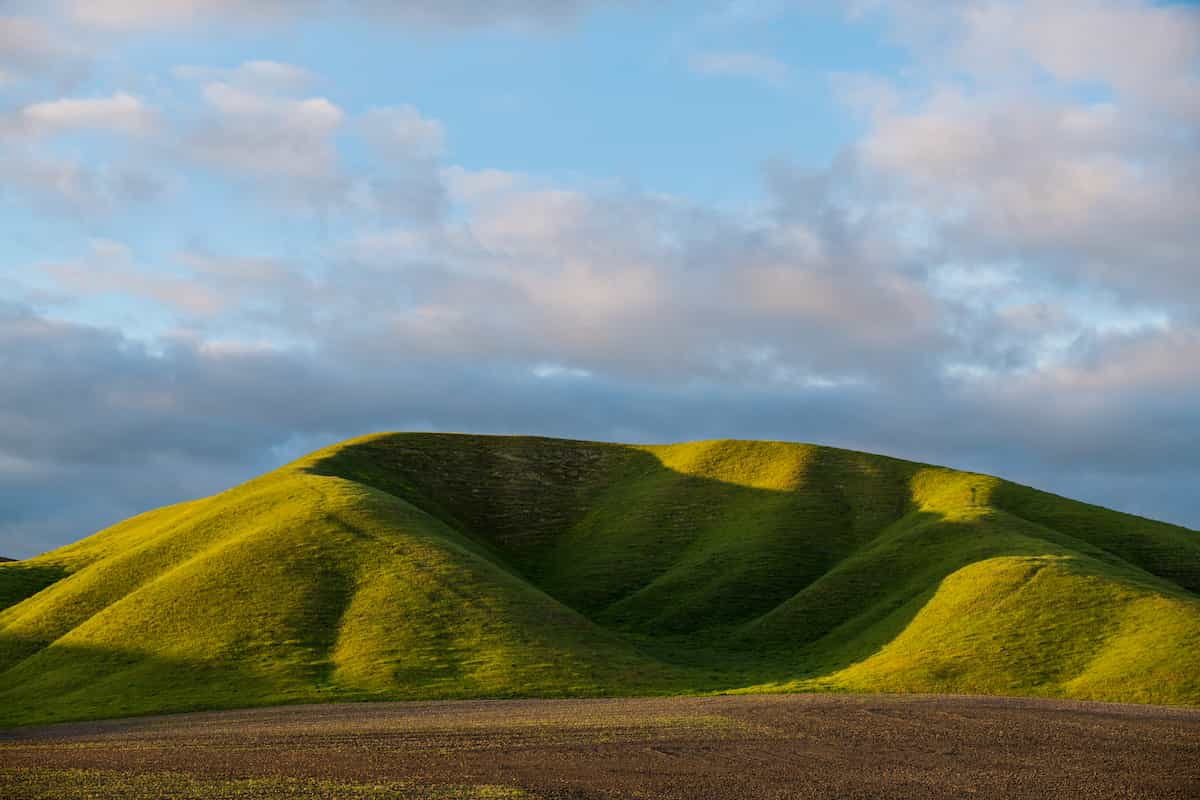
76	683
521	497
1168	552
21	579
573	516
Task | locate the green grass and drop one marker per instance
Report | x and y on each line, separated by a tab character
415	566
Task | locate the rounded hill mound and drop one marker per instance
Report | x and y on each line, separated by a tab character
406	566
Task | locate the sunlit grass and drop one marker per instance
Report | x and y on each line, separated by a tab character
418	566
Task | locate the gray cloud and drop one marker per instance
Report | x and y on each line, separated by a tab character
615	316
75	187
94	426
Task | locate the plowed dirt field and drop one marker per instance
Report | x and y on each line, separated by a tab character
775	746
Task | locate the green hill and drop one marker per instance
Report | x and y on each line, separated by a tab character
406	566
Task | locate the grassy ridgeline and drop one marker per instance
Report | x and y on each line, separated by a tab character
409	566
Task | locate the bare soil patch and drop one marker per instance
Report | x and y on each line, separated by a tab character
774	746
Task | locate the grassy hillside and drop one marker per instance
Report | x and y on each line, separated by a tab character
435	566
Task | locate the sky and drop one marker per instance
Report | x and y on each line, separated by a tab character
964	233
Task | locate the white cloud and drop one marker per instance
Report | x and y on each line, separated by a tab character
253	134
120	113
1004	165
261	76
401	132
136	14
1147	53
289	147
316	113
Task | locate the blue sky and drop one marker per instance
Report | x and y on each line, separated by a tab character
956	232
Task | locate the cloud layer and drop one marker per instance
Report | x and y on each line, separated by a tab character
999	273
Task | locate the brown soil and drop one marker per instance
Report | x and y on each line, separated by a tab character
806	746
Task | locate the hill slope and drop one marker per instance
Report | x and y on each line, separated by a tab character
430	566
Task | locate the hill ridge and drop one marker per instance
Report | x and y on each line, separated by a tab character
415	565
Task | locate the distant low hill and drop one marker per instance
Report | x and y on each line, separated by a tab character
418	566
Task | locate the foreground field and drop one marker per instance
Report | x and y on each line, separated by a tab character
776	746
